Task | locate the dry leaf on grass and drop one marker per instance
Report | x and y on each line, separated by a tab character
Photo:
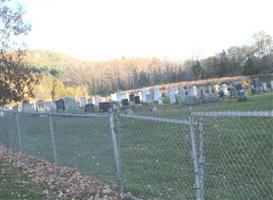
65	181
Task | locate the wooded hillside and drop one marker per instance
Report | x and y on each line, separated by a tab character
106	77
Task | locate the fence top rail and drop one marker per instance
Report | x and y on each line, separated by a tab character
234	114
84	115
156	119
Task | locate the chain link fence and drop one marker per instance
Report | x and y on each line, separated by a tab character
238	150
207	155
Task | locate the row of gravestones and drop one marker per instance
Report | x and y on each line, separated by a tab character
175	95
154	95
67	104
190	95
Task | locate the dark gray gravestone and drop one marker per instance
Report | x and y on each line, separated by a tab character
88	108
132	98
125	102
104	106
137	100
60	105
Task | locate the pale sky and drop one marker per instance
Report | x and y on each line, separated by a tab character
173	29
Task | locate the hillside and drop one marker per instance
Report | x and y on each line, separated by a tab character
51	59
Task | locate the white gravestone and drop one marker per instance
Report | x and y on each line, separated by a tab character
217	88
26	107
145	92
181	90
96	100
172	92
181	94
70	104
157	94
47	105
264	87
40	106
83	101
210	89
272	85
224	88
192	91
139	93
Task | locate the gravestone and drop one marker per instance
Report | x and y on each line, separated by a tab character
33	107
117	97
210	89
125	102
203	93
71	104
137	100
53	107
216	89
96	99
131	98
172	91
26	107
224	89
181	97
156	94
40	106
144	92
149	98
264	87
89	108
139	93
104	106
83	101
5	108
17	108
272	85
181	90
48	106
60	105
192	91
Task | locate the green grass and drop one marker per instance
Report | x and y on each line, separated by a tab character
254	102
15	186
157	156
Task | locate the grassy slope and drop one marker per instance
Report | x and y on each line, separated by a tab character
15	186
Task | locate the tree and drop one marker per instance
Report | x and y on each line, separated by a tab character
263	44
197	70
17	81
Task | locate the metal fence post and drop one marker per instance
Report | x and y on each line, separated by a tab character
4	134
201	160
52	139
18	132
194	158
116	148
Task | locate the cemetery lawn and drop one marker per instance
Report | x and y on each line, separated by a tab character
15	186
259	102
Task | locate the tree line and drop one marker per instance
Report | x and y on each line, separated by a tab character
123	74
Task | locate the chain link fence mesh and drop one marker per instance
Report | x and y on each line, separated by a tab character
238	157
157	159
233	153
82	143
85	143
